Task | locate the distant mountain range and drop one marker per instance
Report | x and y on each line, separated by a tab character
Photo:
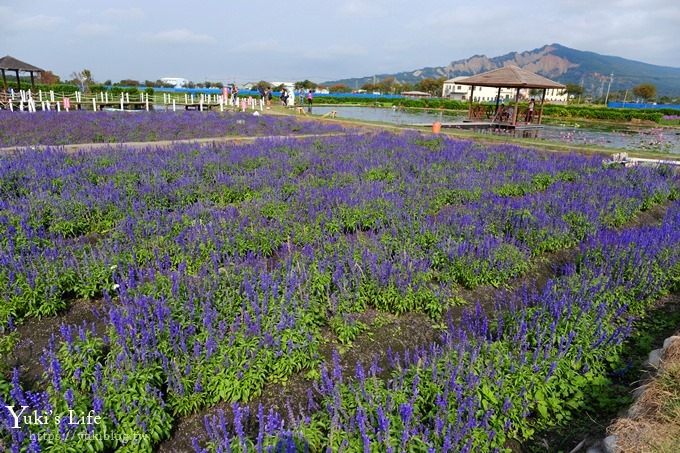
556	62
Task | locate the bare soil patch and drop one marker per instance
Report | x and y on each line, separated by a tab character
34	335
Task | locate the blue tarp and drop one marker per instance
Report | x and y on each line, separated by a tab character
274	93
631	105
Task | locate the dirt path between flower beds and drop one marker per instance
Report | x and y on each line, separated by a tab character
398	333
34	335
163	143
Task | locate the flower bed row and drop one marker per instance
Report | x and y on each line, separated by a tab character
497	376
222	265
55	128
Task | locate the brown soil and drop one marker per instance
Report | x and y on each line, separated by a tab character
34	335
160	143
652	216
399	333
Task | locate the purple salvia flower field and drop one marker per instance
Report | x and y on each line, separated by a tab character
53	128
226	269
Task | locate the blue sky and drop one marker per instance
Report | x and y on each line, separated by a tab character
244	41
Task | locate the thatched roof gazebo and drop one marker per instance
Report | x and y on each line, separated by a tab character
8	63
510	77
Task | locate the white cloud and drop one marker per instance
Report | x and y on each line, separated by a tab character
269	46
124	13
336	51
21	22
94	29
361	8
180	36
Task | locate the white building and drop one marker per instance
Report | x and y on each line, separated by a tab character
558	96
452	90
177	82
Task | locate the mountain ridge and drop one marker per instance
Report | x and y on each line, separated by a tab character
555	61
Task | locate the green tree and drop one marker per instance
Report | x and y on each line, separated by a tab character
261	85
646	91
574	89
49	78
305	84
432	86
83	79
387	85
129	82
370	86
405	87
339	88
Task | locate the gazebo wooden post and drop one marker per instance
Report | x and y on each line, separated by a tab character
540	112
514	111
18	80
32	82
472	96
4	80
498	101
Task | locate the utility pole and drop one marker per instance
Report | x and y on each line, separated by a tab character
611	77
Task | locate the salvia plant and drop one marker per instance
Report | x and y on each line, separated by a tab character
227	268
62	128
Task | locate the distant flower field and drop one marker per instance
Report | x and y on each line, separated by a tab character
65	128
228	268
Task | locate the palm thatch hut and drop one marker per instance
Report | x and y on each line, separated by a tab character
511	77
8	63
